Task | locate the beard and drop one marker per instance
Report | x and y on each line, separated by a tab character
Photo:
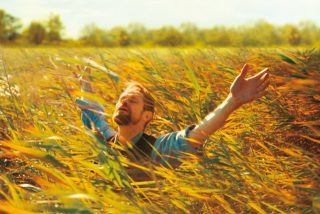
125	118
122	119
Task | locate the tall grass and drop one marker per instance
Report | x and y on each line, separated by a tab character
264	160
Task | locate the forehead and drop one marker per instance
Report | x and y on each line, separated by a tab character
132	92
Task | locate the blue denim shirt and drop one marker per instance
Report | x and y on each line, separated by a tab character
171	144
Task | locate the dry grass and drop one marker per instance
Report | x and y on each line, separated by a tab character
265	159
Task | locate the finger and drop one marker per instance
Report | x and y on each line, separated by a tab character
244	70
86	69
260	94
263	86
82	68
261	73
264	78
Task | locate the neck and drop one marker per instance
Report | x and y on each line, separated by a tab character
127	133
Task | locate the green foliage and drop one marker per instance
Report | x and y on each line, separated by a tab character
217	36
54	28
256	34
95	36
260	34
167	36
44	32
119	36
9	27
138	33
291	35
36	33
190	33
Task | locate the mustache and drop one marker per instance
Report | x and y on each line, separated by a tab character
125	108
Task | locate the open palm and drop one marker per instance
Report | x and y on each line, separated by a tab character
245	90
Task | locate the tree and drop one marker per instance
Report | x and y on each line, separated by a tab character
138	34
309	32
9	27
36	33
93	35
119	36
291	34
261	33
54	26
190	33
167	36
217	36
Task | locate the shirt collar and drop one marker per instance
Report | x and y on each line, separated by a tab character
137	137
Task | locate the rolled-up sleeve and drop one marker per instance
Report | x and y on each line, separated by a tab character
93	113
171	145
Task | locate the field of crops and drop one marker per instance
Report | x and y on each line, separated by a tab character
264	160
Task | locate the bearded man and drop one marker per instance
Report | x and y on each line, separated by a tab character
135	109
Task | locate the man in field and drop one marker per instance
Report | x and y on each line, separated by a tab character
135	109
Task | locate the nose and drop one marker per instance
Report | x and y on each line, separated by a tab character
122	102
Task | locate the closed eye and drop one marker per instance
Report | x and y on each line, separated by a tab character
133	101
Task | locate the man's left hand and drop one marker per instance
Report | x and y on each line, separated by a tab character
244	90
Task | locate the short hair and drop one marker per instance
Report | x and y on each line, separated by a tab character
149	101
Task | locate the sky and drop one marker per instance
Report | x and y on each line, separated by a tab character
75	14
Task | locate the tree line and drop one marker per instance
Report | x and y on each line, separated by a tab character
258	34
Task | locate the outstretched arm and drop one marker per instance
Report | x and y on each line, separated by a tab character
92	113
242	90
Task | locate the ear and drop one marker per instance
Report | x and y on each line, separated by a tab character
147	116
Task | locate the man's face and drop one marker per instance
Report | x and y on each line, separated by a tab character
129	108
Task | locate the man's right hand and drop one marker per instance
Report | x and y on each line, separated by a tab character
84	78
